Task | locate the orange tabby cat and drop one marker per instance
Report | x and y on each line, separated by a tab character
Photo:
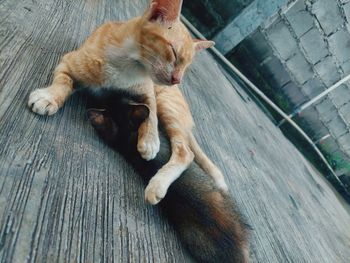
155	48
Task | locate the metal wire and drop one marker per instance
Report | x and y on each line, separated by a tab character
263	97
318	97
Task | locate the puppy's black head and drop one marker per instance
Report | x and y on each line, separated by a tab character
114	115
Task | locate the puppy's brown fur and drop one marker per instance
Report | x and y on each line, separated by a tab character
207	219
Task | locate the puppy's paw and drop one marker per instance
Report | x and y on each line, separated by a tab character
42	102
148	146
155	191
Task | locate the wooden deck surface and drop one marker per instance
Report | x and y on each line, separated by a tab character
66	197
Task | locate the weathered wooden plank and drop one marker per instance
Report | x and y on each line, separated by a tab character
66	197
63	196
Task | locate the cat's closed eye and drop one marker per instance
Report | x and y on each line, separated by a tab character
174	52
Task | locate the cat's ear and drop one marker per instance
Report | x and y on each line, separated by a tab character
138	113
165	11
202	44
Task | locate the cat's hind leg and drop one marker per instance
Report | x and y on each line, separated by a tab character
180	159
184	150
176	117
206	164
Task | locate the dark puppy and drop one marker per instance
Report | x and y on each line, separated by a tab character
206	218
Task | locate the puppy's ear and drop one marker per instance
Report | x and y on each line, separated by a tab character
138	113
97	117
103	124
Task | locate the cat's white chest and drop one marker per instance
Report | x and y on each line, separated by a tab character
122	70
123	78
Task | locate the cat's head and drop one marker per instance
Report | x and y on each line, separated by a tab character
118	121
166	46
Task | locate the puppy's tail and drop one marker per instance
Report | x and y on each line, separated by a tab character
208	222
206	164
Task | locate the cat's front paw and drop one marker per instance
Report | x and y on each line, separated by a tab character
148	146
42	102
155	191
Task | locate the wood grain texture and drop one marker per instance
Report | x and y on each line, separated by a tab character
66	197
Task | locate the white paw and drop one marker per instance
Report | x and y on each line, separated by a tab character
219	179
148	146
155	191
221	184
42	102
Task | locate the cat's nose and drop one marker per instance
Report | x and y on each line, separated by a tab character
176	78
